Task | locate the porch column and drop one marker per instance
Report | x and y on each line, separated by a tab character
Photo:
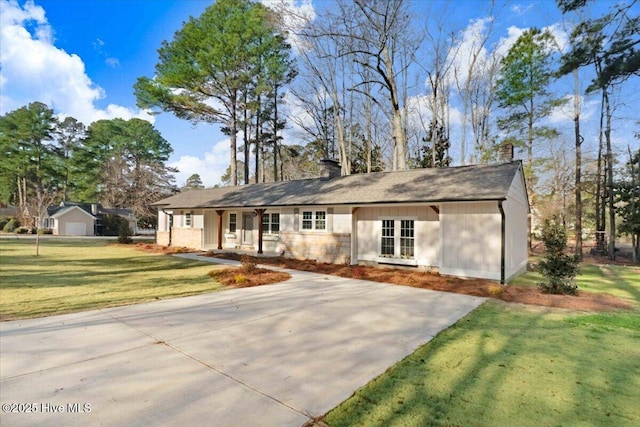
220	213
260	213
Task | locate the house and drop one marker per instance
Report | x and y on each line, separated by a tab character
468	221
83	219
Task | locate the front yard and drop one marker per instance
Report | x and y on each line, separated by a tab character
74	275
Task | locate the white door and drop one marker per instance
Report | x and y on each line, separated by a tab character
76	229
247	228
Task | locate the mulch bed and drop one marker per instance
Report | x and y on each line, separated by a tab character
584	301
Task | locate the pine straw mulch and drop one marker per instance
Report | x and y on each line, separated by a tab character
584	301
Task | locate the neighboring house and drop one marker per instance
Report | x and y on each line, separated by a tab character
465	221
82	219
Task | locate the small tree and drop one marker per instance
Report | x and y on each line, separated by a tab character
124	232
558	268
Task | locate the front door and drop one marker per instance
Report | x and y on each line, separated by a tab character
247	228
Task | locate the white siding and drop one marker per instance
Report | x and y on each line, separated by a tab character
471	239
515	209
427	226
341	219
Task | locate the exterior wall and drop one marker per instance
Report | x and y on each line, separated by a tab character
75	215
515	209
187	237
471	235
427	232
319	246
162	238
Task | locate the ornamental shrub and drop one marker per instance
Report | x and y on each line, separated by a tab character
558	268
11	226
124	232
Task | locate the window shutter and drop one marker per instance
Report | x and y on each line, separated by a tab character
296	219
329	220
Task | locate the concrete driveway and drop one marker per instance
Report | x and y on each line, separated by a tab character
266	356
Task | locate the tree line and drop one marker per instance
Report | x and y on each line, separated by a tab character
45	160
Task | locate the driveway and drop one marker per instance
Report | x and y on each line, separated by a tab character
266	356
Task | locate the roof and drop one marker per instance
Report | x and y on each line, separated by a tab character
57	210
463	183
63	211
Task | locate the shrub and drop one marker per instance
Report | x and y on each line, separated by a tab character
495	290
3	221
558	268
22	230
240	279
45	231
248	264
11	226
124	233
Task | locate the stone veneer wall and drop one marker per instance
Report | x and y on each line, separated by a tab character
322	247
187	237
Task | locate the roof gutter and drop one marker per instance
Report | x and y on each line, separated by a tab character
503	228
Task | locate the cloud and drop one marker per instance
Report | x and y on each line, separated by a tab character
211	166
34	69
295	15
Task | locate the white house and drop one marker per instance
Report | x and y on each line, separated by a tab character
468	221
82	219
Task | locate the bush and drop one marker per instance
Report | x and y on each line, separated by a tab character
22	230
558	268
240	280
248	263
3	221
45	231
11	226
124	232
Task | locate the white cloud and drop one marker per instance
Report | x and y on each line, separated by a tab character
296	14
34	69
210	167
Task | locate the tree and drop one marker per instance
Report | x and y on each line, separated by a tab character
70	134
557	267
31	161
609	44
628	201
123	163
522	91
203	73
194	182
438	157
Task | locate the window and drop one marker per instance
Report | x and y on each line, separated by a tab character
187	219
271	223
388	239
307	220
406	238
233	221
404	247
314	220
321	220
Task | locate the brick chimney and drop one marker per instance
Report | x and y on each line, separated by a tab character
505	152
329	169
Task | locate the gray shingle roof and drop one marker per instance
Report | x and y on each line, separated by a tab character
463	183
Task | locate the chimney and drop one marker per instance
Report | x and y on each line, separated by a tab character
94	209
329	169
505	152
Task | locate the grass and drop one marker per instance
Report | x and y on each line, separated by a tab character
74	275
511	365
619	281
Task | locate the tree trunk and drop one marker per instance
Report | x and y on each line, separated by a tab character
233	144
258	144
609	157
247	144
578	177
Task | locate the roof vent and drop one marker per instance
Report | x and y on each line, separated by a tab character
329	169
505	152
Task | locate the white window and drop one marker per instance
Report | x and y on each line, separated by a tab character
271	223
233	222
188	220
314	220
393	247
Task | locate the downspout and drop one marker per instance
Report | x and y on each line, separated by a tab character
503	239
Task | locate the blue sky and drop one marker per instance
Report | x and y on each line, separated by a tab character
82	57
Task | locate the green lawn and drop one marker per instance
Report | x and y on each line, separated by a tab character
620	281
508	365
73	275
